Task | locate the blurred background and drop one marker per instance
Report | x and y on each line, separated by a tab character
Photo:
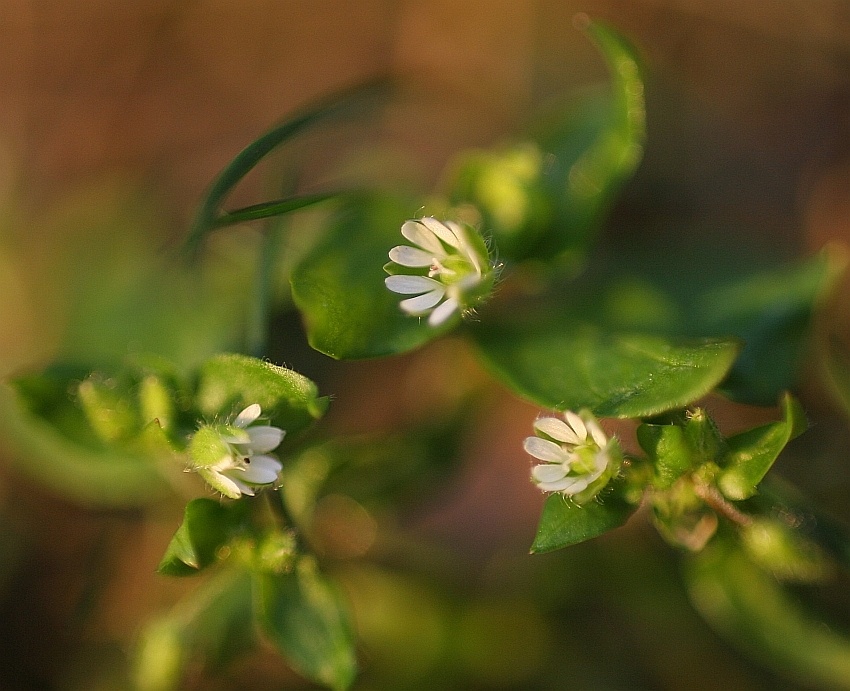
115	117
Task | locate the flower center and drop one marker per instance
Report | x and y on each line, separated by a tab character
584	459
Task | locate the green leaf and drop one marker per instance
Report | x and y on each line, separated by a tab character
230	382
748	607
339	286
50	439
208	216
595	148
565	523
752	453
771	313
207	526
212	624
305	617
570	365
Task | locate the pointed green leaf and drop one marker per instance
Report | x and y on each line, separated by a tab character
752	453
594	148
339	287
207	526
771	313
747	606
230	382
305	617
212	625
566	523
570	365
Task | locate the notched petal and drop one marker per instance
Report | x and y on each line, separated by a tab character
422	303
411	285
557	429
545	450
411	256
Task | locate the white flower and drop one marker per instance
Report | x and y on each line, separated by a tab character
578	459
457	266
240	460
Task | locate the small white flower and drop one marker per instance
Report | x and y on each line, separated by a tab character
453	265
242	463
578	458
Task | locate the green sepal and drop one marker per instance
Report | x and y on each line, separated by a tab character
682	517
678	448
305	617
207	447
564	522
670	451
752	453
230	382
207	526
570	365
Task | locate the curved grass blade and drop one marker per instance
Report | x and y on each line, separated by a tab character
208	217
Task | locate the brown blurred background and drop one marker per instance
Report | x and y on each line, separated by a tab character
749	133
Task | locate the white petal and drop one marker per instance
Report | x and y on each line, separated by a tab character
422	303
443	312
597	433
247	416
421	236
225	463
557	429
545	450
261	470
411	256
265	438
411	285
577	424
441	231
548	472
567	485
245	489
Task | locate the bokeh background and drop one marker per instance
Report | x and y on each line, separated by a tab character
114	118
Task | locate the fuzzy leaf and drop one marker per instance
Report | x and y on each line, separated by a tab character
230	382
